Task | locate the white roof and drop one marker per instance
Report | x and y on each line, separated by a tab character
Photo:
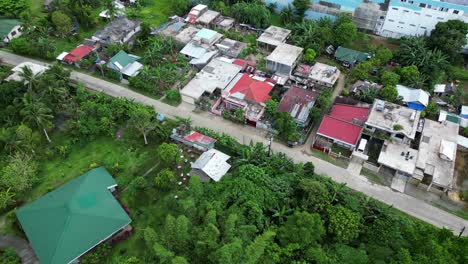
448	149
36	69
193	50
62	55
413	95
218	73
285	54
462	141
439	88
464	110
213	163
132	69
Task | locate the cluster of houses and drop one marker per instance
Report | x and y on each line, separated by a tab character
415	150
121	30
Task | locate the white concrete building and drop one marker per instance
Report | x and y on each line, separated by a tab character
419	17
324	75
283	59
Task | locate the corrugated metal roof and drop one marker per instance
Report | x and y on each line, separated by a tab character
413	95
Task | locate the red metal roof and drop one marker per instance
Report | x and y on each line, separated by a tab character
339	130
349	113
200	138
252	89
243	63
78	53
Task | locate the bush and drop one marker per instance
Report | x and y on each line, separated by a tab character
9	256
397	127
21	46
173	95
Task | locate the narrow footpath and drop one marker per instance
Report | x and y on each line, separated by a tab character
245	134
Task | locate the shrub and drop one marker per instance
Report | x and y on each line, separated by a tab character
173	95
397	127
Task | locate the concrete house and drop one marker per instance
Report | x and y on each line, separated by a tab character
395	121
120	30
272	37
216	75
324	75
37	69
283	59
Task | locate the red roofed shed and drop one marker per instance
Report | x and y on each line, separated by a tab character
78	53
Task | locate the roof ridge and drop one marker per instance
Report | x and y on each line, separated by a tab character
342	120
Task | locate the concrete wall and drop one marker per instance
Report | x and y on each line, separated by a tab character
371	167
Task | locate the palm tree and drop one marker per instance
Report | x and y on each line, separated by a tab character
287	14
29	78
417	81
36	113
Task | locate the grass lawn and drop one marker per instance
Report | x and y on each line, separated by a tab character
372	176
155	12
37	8
323	156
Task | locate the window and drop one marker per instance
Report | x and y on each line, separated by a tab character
428	15
13	33
417	13
394	8
406	11
411	2
456	11
422	5
404	1
429	6
391	20
440	18
413	25
423	27
401	22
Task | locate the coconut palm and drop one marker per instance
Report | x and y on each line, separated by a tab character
37	114
29	78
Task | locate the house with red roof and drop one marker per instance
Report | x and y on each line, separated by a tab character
343	127
298	102
248	92
75	55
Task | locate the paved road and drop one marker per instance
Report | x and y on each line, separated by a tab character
21	246
245	134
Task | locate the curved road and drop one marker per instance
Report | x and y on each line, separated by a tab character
244	134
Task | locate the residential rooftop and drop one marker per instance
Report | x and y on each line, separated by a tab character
230	47
437	152
285	54
360	86
217	74
385	116
249	87
116	30
187	34
398	156
350	56
224	22
6	25
208	17
413	95
324	73
274	36
298	102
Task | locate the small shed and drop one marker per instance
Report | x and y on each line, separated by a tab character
211	165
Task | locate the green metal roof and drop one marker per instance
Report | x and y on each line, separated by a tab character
6	25
122	58
453	119
67	222
350	56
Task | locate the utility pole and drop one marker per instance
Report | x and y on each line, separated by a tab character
461	232
270	141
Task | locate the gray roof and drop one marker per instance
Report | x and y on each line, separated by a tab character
413	95
274	36
285	54
213	163
437	151
116	30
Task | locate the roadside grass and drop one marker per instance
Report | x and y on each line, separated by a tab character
323	156
372	176
462	213
171	102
